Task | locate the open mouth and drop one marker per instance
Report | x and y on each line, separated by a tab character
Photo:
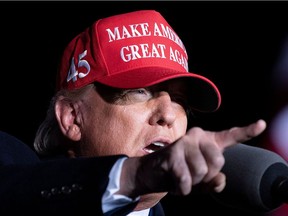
155	146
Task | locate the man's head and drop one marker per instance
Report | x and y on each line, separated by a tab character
123	87
129	61
110	81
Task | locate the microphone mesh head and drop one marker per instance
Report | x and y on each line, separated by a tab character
251	173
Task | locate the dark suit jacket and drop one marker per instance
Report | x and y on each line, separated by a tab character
30	186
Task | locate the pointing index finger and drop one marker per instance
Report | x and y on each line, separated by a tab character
236	135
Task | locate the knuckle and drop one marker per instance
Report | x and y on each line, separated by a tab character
218	161
201	171
196	130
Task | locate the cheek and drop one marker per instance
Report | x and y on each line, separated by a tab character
180	124
127	124
115	131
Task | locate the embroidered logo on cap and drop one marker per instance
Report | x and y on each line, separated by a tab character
148	50
73	70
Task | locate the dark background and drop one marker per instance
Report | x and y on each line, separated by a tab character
235	44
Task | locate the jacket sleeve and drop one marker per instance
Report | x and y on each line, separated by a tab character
44	187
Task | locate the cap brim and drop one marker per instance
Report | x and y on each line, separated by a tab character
204	96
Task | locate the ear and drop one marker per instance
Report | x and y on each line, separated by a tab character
66	117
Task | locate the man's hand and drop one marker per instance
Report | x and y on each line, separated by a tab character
195	158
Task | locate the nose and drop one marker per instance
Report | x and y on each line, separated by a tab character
164	112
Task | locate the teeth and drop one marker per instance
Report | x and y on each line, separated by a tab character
149	150
158	144
154	147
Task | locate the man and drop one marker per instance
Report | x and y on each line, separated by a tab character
116	137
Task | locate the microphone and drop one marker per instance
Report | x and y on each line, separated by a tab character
256	179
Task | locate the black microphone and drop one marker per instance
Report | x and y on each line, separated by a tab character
256	179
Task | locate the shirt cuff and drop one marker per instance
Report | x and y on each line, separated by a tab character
110	200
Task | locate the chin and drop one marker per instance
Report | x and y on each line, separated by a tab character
149	200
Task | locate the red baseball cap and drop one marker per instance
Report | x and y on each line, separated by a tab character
133	50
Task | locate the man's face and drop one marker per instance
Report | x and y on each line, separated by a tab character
134	122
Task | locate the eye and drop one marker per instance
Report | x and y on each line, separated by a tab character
138	91
137	95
